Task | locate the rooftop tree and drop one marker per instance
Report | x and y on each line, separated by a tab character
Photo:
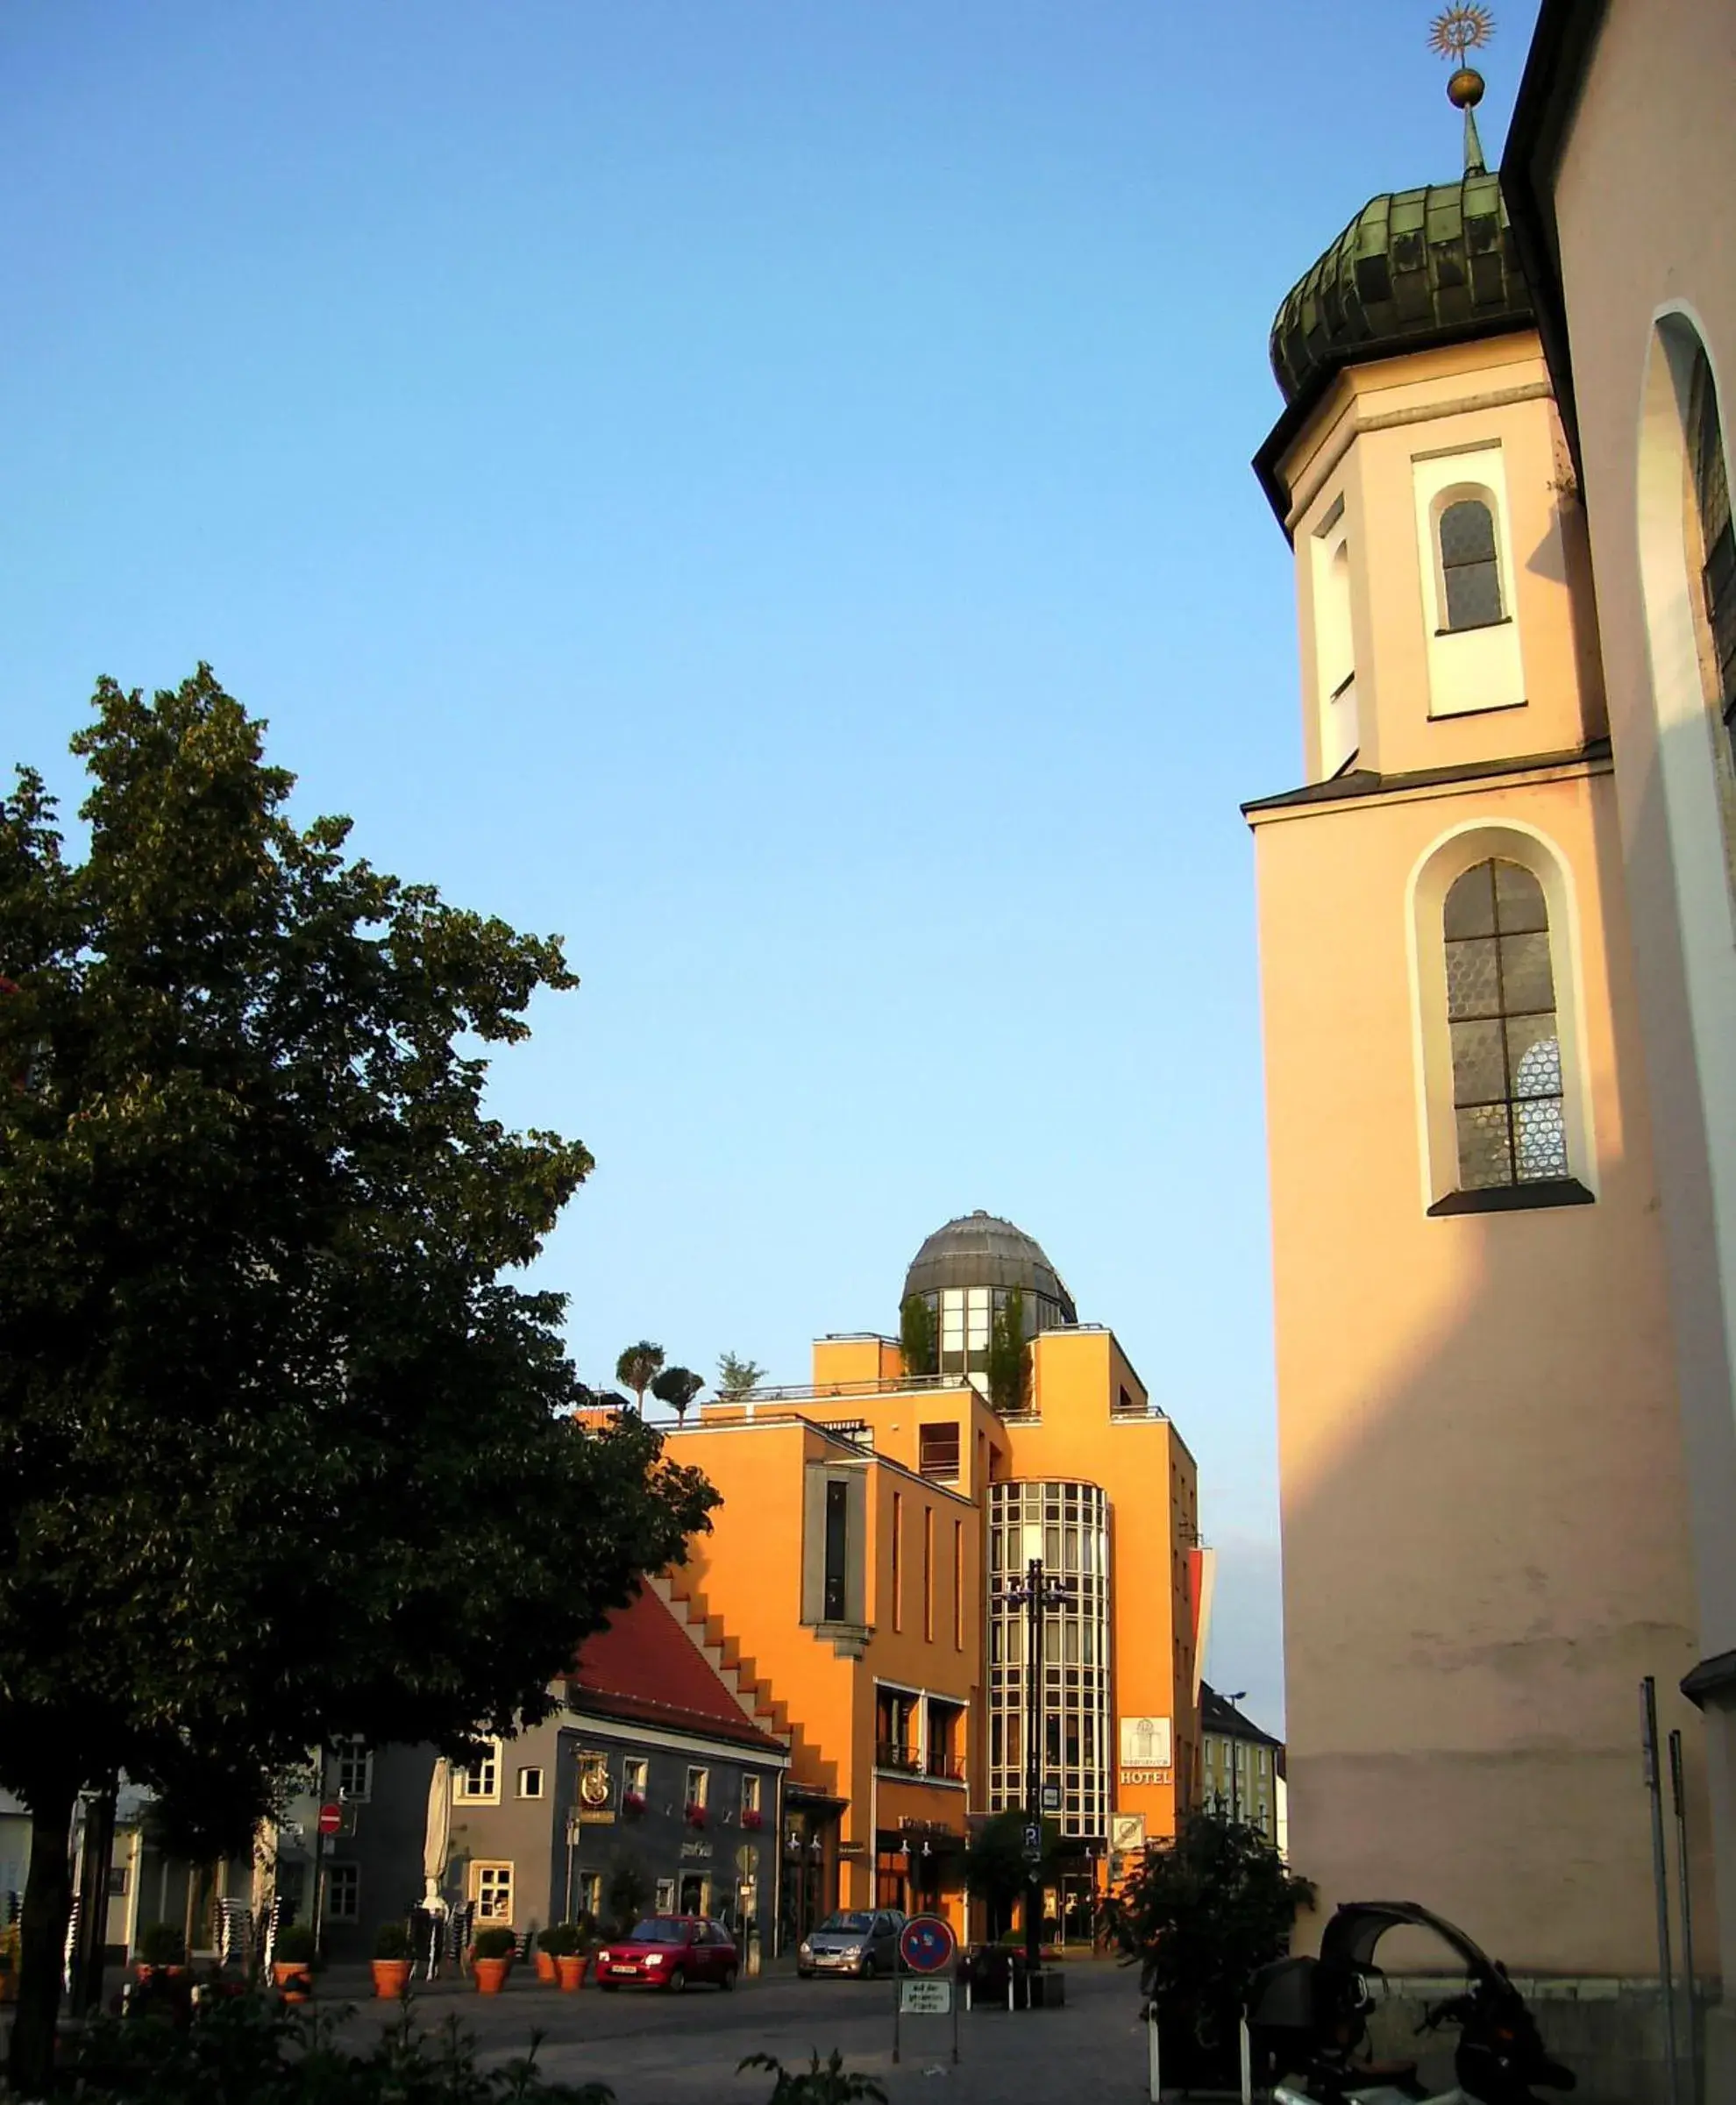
639	1367
678	1386
273	1406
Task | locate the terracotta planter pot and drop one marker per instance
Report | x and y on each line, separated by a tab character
294	1978
391	1978
491	1975
545	1966
571	1968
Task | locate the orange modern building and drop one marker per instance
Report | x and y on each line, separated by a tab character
858	1578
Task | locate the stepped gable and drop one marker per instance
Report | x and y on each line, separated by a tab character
645	1669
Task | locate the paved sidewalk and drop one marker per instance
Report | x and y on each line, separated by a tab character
659	2050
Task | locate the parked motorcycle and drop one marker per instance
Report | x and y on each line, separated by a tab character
1307	2019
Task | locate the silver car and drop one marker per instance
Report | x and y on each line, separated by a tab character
862	1941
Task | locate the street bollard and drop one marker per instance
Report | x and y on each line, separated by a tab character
1156	2056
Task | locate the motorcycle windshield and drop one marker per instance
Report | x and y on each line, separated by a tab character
1349	1938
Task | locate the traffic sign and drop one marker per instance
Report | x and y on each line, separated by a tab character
925	1943
925	1998
330	1819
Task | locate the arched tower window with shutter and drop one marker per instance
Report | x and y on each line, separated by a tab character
1470	568
1507	1084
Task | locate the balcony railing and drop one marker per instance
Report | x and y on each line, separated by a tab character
888	1755
938	1766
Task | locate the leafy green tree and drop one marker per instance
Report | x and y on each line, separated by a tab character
995	1870
271	1418
678	1386
1201	1916
736	1377
916	1336
1008	1358
625	1892
637	1367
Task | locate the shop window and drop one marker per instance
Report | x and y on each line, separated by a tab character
666	1897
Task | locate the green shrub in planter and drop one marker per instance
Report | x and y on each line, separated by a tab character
494	1943
162	1945
391	1940
567	1941
294	1945
549	1940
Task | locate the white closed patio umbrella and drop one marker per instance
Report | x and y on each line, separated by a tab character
438	1839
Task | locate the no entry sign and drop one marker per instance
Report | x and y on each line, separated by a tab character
330	1819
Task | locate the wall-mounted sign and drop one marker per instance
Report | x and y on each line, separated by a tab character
1126	1832
1145	1743
695	1849
1148	1776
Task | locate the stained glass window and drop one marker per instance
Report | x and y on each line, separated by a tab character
1507	1093
1717	542
1470	571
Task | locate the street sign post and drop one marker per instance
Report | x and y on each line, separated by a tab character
922	1997
926	1947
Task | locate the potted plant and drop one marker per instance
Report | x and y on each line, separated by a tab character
632	1804
161	1946
548	1949
292	1961
695	1814
752	1818
391	1961
491	1958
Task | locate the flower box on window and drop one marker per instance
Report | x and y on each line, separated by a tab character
752	1817
632	1803
695	1816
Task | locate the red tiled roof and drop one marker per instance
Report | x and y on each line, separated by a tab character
644	1668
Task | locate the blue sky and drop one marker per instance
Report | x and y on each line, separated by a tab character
761	489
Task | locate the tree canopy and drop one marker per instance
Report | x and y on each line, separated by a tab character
637	1367
678	1386
285	1449
1201	1916
735	1376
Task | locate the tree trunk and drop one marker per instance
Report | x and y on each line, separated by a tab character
47	1908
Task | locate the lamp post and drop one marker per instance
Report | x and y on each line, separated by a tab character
1040	1595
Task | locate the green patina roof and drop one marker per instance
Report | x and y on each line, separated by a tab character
1417	266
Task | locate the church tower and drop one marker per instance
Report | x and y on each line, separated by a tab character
1485	1535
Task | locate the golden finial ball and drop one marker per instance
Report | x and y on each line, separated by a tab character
1464	90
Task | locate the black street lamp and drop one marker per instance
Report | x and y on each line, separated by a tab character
1040	1595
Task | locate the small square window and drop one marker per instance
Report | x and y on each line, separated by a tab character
481	1780
342	1893
491	1886
530	1783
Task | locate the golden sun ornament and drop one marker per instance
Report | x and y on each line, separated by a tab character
1467	25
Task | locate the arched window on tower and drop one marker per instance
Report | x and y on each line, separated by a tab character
1717	543
1507	1087
1471	567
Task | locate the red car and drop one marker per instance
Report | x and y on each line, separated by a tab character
669	1952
